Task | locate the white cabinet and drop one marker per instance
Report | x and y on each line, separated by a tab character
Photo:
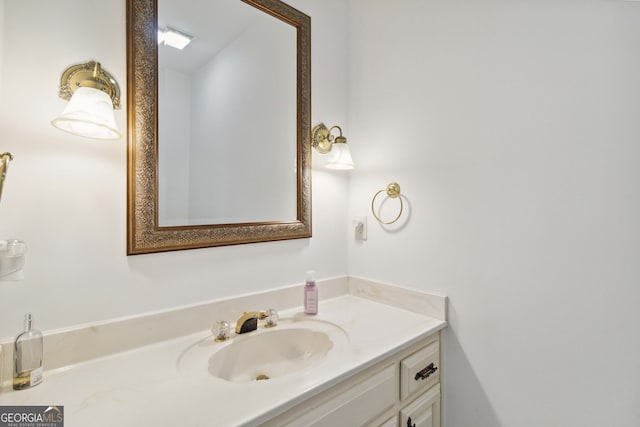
400	391
424	411
420	371
353	408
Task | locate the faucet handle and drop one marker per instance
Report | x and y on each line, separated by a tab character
272	318
221	331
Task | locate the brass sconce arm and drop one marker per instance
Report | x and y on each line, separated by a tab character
5	158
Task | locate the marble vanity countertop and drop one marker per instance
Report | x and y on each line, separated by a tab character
142	386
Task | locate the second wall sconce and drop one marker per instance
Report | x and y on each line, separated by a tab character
324	142
93	94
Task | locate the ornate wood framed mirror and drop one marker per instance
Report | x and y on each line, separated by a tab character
218	132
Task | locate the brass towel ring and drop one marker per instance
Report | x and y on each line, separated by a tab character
393	191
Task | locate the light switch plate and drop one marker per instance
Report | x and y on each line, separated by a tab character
360	225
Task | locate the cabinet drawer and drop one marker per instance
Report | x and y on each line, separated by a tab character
420	371
354	407
424	411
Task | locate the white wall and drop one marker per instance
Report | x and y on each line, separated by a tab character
513	129
234	88
214	104
174	132
1	40
66	196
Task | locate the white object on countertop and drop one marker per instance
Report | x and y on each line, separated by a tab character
12	258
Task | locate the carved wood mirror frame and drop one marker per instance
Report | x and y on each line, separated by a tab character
143	233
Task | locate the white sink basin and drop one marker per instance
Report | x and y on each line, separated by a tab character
296	345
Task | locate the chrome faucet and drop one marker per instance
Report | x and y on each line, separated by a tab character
249	320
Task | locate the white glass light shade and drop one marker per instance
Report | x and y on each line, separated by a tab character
89	113
340	157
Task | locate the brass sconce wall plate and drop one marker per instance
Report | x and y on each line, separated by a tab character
321	139
89	74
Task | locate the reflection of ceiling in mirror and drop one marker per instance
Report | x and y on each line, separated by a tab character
213	23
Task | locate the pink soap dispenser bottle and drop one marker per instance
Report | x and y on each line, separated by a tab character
310	294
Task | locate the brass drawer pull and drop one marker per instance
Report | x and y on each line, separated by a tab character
426	372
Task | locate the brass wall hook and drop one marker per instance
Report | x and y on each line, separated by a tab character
393	192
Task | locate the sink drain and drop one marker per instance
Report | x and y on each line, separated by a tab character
262	377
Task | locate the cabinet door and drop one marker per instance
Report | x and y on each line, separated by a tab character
424	411
356	406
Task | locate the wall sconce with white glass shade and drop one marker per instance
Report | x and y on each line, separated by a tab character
93	95
324	142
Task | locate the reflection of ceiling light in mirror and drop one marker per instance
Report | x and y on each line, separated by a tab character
174	38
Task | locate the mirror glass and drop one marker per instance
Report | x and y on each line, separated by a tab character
219	131
226	115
